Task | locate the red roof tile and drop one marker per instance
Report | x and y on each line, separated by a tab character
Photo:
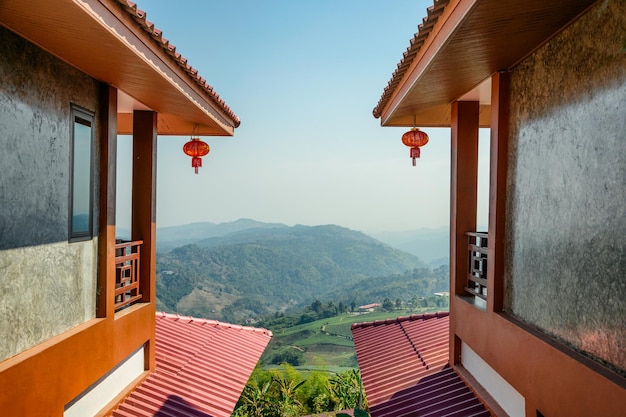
140	17
201	368
405	371
423	31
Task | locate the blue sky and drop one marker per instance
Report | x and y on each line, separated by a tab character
304	78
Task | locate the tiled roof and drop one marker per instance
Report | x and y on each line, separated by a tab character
441	394
140	17
423	31
201	368
405	371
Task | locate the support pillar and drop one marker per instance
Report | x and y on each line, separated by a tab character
500	99
463	200
144	210
106	222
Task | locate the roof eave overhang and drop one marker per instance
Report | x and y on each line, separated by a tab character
108	43
471	40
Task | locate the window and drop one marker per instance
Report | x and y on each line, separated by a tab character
81	205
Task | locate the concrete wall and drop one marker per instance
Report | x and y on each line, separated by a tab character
566	207
47	285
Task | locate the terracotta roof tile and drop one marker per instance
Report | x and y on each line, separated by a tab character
405	371
201	368
424	30
140	17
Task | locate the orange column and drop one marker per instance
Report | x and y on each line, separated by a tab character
144	209
500	98
463	199
106	228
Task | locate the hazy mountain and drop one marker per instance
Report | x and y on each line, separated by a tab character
266	269
430	245
175	236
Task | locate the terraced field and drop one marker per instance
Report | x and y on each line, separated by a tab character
327	344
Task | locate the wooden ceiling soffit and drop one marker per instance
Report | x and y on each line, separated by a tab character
438	116
106	41
169	125
472	40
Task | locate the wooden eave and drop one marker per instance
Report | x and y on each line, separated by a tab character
470	41
113	42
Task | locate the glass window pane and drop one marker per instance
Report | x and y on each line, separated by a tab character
80	200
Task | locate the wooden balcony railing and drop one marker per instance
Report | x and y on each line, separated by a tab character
477	268
127	255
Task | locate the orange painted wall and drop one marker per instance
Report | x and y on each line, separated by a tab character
553	379
40	381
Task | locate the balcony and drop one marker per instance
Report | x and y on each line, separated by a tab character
127	256
477	264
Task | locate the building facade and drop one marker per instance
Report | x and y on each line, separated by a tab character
77	306
537	310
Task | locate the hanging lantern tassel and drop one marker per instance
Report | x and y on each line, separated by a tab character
414	139
415	153
196	149
196	163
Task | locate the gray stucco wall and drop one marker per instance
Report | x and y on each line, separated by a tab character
47	285
566	207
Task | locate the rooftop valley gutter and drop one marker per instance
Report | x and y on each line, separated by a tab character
452	18
113	21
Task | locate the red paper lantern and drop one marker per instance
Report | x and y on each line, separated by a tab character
415	138
196	149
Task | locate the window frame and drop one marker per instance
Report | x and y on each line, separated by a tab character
82	116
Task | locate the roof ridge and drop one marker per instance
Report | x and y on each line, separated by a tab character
215	323
412	317
419	38
406	334
140	17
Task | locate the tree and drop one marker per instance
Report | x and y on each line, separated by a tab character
256	397
284	392
387	304
398	303
289	356
341	308
307	318
317	306
314	393
286	384
346	390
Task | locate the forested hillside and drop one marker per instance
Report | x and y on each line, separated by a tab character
250	273
416	283
172	237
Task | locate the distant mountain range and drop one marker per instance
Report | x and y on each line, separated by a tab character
247	269
172	237
430	245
